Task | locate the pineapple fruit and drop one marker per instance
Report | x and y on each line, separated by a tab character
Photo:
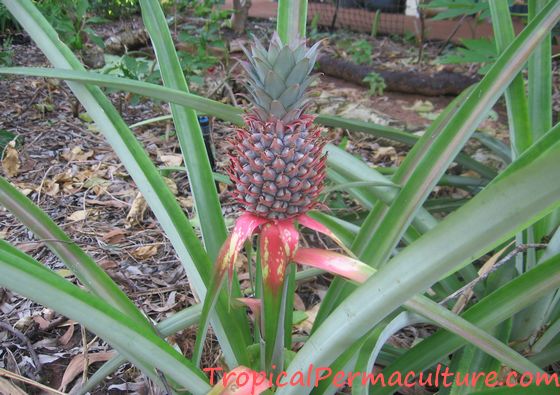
277	164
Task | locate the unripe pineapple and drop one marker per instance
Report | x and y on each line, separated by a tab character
277	164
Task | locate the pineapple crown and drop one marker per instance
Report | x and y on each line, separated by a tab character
278	78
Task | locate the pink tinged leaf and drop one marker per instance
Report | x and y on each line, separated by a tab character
243	229
315	225
244	381
255	305
334	263
278	242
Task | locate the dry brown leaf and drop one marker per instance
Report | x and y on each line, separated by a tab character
28	248
64	339
65	176
108	264
385	153
76	366
42	322
307	325
77	154
7	388
25	188
298	303
10	160
51	188
171	160
107	203
79	215
145	252
186	202
114	236
136	214
171	185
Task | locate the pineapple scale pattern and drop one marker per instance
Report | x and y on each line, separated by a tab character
276	163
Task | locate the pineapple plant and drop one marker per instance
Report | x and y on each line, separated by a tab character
277	166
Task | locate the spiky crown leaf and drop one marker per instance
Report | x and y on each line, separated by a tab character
279	78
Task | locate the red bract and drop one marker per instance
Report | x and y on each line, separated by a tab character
279	246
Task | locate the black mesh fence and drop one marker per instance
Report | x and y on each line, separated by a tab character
386	16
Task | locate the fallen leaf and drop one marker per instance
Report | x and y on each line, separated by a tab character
23	322
76	154
76	366
307	324
84	116
64	273
298	303
44	107
108	264
114	236
385	153
108	203
29	248
421	106
145	252
10	160
186	202
43	323
79	215
51	188
64	179
98	185
136	214
361	112
7	388
172	160
64	339
172	185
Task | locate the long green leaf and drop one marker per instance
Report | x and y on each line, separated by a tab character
167	327
372	347
351	167
186	99
137	162
540	109
540	77
511	298
437	149
524	193
291	20
397	135
142	346
203	187
516	99
377	228
81	264
192	145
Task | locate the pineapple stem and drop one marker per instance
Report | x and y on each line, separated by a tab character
291	20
